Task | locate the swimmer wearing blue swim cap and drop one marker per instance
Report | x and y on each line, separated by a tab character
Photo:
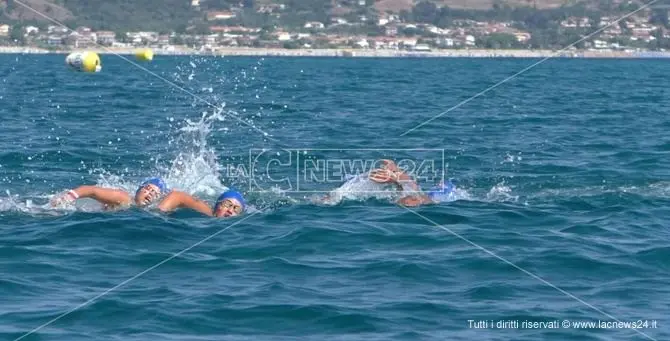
149	191
442	192
230	203
389	173
113	198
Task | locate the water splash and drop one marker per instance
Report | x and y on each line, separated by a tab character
195	169
188	165
357	188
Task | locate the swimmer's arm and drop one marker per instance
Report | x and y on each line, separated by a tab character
412	200
106	196
405	181
177	199
415	200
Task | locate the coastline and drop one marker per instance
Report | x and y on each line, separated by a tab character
280	52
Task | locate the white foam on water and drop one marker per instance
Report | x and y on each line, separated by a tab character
358	188
501	193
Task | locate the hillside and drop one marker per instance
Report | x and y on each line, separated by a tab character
105	15
123	15
398	5
15	11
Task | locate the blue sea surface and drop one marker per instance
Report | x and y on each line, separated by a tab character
561	212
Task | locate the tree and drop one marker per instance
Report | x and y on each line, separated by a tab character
249	18
291	44
663	43
659	16
539	40
218	4
628	6
177	40
594	20
16	35
71	23
405	16
606	5
658	34
180	29
623	25
502	10
538	19
499	41
121	36
425	12
265	35
314	6
443	22
201	28
374	30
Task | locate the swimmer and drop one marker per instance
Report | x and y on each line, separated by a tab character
389	173
230	203
111	198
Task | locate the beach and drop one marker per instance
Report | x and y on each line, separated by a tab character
458	53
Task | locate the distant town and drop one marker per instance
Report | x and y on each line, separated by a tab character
386	31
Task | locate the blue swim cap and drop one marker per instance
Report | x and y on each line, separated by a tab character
441	193
231	194
158	182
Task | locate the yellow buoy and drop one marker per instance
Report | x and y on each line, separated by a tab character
144	55
85	61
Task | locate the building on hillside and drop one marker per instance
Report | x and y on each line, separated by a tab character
57	29
55	40
599	44
31	30
79	40
220	15
4	30
314	24
575	22
106	37
522	37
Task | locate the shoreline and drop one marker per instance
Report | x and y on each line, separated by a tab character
370	53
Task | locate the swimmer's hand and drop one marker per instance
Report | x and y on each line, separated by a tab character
65	198
393	175
390	165
383	176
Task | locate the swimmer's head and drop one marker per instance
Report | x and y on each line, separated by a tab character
229	204
149	191
442	192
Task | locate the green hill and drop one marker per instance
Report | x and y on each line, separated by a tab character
398	5
167	15
107	15
123	14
